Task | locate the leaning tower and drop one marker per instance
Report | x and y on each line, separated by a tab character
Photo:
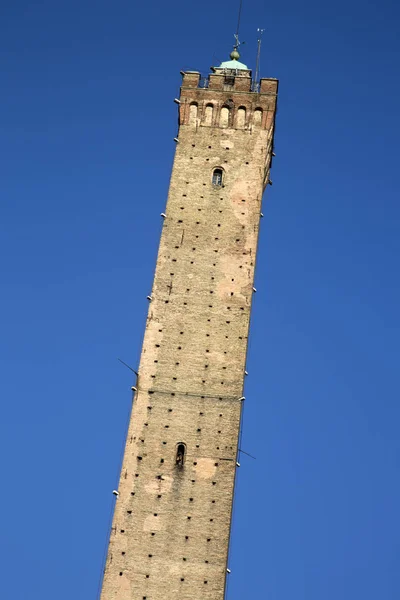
172	519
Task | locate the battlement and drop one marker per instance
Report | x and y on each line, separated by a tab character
228	100
237	80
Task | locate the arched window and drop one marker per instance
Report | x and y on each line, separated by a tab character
241	117
224	117
208	115
193	114
217	177
180	455
258	117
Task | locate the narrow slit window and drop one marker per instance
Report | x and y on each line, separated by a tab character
217	177
180	455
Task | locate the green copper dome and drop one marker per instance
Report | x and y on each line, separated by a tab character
234	62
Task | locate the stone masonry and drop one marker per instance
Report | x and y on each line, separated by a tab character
171	526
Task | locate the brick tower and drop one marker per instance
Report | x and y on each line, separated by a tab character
171	527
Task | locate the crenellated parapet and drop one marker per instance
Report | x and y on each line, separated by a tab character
226	100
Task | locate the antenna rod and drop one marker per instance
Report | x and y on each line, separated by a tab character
240	14
133	370
238	26
260	31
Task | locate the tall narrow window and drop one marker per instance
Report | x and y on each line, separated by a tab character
193	114
217	177
208	115
180	455
241	117
224	117
258	117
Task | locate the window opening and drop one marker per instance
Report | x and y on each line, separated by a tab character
180	455
224	117
217	177
208	116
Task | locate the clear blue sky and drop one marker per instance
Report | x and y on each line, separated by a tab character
87	123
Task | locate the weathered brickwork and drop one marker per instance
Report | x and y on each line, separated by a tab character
170	533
